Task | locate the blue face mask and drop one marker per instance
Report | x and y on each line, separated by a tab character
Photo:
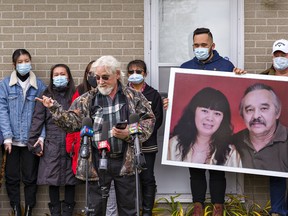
136	78
201	53
280	63
23	68
60	81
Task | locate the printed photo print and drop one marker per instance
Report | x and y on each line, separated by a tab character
223	121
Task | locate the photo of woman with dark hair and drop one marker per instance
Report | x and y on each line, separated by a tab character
203	133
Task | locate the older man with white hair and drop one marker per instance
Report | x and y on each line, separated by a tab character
110	102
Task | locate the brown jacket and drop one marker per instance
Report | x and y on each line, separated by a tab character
269	71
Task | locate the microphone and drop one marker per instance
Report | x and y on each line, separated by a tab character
85	133
104	146
134	130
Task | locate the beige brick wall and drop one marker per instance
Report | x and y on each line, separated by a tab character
77	31
73	32
264	24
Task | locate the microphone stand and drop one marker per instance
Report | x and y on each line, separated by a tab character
104	189
103	145
86	210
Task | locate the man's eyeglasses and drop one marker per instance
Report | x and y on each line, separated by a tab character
104	77
133	71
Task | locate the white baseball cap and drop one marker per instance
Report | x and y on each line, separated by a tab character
280	45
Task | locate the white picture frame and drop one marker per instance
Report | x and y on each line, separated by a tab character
184	83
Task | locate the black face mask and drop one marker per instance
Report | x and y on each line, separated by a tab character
92	81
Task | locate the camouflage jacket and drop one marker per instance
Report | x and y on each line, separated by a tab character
71	120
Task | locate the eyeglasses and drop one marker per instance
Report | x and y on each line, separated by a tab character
104	77
133	71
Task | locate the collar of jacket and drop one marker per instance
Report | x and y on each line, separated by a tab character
269	71
14	79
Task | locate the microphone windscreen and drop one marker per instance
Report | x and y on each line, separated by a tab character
134	118
105	129
87	122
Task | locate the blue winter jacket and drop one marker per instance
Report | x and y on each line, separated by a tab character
15	110
217	63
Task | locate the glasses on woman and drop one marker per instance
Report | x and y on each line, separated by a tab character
133	71
104	77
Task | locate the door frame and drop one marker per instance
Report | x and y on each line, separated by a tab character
151	38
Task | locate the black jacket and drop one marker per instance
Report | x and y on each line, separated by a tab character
156	103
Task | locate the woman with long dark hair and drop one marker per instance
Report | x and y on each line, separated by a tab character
203	135
55	164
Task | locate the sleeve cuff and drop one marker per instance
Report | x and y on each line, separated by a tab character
41	139
9	140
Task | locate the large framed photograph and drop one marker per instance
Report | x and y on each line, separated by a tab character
222	121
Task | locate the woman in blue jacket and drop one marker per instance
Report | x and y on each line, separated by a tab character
17	100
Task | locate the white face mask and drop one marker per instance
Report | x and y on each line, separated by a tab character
201	53
280	63
136	78
23	68
60	81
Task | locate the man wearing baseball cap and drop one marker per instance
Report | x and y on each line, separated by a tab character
280	59
278	184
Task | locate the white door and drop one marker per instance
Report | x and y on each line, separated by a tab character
169	26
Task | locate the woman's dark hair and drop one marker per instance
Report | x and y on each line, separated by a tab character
18	53
138	63
85	86
70	87
186	130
